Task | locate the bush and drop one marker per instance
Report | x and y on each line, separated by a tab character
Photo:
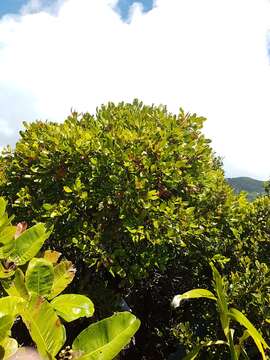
122	189
138	202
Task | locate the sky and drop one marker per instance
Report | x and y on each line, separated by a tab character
211	57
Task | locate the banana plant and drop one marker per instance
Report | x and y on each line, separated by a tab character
226	314
35	296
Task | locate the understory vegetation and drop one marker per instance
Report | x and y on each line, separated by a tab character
135	198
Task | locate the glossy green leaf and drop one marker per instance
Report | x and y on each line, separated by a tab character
4	221
67	189
39	276
9	305
72	306
221	301
6	322
3	204
28	244
193	294
44	326
64	273
16	286
106	338
6	241
253	332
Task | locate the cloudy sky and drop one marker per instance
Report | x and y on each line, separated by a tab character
211	57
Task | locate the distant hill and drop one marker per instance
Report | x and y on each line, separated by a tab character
253	187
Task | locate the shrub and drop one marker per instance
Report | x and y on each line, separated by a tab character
139	203
121	189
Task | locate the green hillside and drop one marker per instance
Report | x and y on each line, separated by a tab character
252	186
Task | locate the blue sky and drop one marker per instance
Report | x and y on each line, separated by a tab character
124	6
206	56
10	6
13	6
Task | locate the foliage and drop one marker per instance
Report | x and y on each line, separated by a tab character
128	182
139	203
34	295
226	314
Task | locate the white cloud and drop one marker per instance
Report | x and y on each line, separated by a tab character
209	57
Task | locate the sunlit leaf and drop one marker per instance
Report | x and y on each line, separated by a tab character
64	273
192	294
16	286
72	306
9	305
39	277
106	338
6	322
253	332
10	347
44	326
52	256
27	245
6	241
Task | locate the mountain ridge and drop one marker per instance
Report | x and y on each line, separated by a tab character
251	186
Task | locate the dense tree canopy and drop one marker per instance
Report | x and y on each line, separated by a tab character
120	187
137	198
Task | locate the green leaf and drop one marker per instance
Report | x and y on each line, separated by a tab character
28	244
44	326
193	294
221	301
72	306
67	189
16	286
239	348
9	305
10	347
6	322
6	241
3	204
4	221
105	339
64	273
152	195
253	332
39	276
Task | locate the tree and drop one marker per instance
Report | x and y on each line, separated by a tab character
137	199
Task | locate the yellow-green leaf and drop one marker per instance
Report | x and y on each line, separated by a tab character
10	346
43	325
67	189
16	286
6	241
72	306
106	338
64	273
253	332
39	277
28	244
6	322
193	294
9	305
